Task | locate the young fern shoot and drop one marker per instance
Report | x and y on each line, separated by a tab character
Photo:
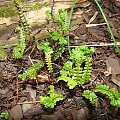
76	74
48	51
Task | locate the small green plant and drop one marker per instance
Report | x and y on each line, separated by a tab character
4	115
104	89
31	72
73	73
90	95
50	101
18	51
109	28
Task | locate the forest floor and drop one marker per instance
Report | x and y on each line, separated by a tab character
21	98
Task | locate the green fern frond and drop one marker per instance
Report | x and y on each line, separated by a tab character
90	95
48	61
31	72
63	19
23	19
77	75
19	49
111	93
87	70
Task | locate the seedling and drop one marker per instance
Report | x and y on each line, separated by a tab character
50	101
4	115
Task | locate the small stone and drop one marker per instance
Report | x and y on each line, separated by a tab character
26	107
16	112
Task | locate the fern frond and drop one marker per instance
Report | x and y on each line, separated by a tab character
23	19
77	75
48	61
19	49
111	93
31	72
87	71
90	95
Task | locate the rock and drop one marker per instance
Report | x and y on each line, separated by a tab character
26	107
16	112
81	114
55	116
36	110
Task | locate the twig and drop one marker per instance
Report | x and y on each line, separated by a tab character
97	45
94	25
30	102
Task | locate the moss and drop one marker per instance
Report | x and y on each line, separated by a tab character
9	8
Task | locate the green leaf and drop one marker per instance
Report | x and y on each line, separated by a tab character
4	115
90	95
55	35
70	82
45	46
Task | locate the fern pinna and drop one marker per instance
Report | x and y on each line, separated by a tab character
73	73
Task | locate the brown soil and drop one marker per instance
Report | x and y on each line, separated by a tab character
21	99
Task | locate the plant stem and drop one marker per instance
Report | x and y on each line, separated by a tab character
70	17
109	28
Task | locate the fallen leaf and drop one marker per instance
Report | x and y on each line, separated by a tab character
116	79
114	64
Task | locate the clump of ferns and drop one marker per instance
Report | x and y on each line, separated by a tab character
59	35
77	70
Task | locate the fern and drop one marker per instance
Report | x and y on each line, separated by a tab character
90	95
63	19
111	93
87	70
48	51
23	20
31	72
19	49
50	101
48	61
76	74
